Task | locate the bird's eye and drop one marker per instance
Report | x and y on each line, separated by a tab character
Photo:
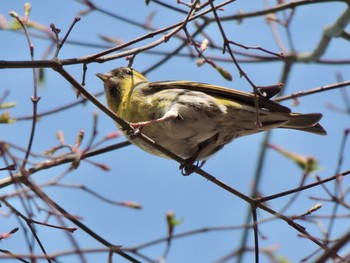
128	72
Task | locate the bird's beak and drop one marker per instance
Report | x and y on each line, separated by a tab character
103	76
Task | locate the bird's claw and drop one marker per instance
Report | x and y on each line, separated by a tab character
189	166
133	133
137	125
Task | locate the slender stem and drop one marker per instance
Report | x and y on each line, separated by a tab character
334	249
302	188
35	99
313	91
256	234
42	195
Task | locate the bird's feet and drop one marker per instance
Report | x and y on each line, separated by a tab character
190	165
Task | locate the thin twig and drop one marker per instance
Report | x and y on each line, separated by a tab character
226	46
313	91
29	224
114	248
302	188
35	99
334	249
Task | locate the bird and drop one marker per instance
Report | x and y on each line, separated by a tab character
195	120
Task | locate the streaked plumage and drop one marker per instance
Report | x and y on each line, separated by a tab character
194	120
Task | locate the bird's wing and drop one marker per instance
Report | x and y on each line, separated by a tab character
231	94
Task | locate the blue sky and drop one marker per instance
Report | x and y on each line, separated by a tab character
154	182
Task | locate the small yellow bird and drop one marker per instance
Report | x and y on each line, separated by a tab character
195	120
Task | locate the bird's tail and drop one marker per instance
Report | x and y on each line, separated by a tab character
305	122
